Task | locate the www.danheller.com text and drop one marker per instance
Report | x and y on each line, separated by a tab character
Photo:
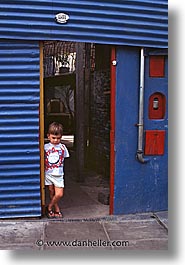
83	243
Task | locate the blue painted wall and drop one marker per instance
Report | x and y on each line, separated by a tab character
138	187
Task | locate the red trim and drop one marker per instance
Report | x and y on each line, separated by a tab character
112	132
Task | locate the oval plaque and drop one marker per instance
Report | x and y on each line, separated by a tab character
62	18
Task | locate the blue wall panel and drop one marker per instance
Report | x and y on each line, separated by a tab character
124	22
19	129
138	187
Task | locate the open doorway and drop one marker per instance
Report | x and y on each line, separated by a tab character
59	86
76	86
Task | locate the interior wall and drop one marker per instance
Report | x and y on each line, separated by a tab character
99	139
99	130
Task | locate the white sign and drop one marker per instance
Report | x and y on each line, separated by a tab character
61	18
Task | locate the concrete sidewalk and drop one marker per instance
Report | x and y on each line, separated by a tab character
129	232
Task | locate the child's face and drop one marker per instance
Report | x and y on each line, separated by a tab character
54	139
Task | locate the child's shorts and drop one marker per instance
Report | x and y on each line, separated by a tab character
57	181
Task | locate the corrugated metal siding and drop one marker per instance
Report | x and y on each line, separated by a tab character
122	22
19	130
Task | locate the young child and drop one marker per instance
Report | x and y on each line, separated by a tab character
55	152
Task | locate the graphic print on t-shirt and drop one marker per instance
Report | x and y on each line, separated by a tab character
54	158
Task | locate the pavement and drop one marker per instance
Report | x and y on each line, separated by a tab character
86	223
147	231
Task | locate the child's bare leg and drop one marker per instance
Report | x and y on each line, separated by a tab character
57	196
51	191
57	208
49	210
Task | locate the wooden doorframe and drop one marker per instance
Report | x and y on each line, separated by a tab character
41	130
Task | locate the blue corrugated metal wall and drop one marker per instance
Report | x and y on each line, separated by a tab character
125	22
19	129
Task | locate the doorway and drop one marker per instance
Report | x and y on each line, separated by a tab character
77	93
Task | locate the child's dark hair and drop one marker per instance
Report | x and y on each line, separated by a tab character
55	128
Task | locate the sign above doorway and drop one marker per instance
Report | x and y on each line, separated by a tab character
62	18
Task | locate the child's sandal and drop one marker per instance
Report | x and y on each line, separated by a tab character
49	213
59	214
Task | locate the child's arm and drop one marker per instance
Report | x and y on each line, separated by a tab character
66	152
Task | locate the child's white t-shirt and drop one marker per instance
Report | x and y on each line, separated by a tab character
54	158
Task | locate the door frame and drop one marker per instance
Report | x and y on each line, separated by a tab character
112	130
41	130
